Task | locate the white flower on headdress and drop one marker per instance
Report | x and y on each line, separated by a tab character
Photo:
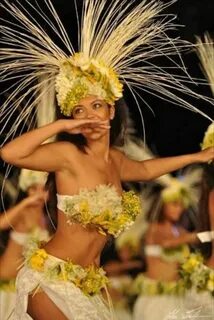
81	61
101	67
28	178
80	76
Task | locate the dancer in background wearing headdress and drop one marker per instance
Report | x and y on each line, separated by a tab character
27	220
205	51
63	279
198	270
165	248
165	240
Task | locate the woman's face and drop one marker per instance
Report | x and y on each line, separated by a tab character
38	189
93	107
125	253
173	210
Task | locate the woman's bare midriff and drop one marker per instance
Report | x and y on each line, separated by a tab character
161	270
77	243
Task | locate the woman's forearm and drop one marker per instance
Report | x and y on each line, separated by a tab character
187	238
161	166
10	217
26	144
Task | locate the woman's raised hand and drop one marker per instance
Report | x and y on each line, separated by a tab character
35	200
76	126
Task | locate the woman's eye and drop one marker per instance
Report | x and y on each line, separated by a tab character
97	105
78	111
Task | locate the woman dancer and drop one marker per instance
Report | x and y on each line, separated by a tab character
62	279
165	249
28	222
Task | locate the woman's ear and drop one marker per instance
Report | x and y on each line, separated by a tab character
112	112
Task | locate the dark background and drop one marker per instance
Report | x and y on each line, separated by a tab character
172	131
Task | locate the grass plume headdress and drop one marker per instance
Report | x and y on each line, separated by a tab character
118	44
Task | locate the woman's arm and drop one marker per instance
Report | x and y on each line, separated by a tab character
187	238
28	152
16	213
131	170
156	235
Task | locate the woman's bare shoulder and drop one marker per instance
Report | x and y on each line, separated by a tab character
117	155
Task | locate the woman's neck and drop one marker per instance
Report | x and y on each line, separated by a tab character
99	148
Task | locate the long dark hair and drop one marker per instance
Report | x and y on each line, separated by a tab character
117	137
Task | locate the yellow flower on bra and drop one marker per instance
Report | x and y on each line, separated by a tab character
103	208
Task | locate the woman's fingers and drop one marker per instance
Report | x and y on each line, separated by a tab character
87	125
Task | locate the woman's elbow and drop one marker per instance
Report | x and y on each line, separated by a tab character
5	155
8	156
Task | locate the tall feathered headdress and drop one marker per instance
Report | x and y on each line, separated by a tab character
118	42
205	50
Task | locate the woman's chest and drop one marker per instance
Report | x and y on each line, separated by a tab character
89	173
95	171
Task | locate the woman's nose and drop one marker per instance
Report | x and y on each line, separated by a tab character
92	116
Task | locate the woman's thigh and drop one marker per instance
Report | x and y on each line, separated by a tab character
41	307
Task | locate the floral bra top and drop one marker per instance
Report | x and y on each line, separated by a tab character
102	208
177	254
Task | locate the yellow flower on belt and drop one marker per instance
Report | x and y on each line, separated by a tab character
197	275
38	259
192	263
91	280
210	282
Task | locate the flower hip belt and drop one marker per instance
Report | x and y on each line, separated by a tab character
90	280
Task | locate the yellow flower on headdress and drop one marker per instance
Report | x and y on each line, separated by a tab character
80	76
